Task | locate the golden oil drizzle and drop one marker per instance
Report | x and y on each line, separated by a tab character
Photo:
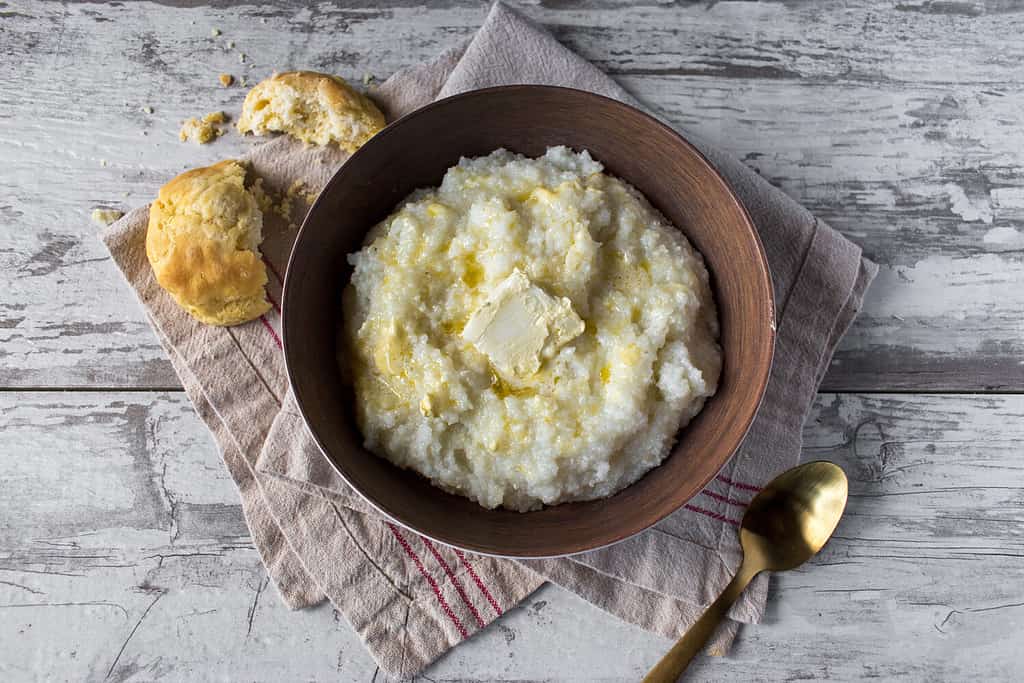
503	389
474	273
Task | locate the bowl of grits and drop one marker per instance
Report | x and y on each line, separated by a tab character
528	321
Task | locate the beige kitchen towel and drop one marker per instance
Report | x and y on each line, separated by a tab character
409	598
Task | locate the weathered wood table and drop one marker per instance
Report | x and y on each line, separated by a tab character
123	553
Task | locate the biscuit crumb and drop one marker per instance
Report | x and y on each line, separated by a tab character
105	217
103	163
296	189
202	131
148	110
284	208
300	189
241	57
263	198
263	20
231	45
215	32
282	205
367	79
226	79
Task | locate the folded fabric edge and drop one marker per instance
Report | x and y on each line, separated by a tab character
866	274
642	608
284	565
715	570
401	570
296	588
462	573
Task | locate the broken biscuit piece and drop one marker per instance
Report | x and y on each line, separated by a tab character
316	108
203	240
104	217
202	131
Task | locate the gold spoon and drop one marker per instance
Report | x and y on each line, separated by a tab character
785	525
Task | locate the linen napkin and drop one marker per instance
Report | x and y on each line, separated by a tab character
411	599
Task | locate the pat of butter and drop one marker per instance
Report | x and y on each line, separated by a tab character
519	325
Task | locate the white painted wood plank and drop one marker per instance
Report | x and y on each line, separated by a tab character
862	111
921	582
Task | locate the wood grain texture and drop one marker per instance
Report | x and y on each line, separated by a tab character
123	550
862	111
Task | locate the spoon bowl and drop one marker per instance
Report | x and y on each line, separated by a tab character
785	525
790	520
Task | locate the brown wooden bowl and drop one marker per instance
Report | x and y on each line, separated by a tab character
415	152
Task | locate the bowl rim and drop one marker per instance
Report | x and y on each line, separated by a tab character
763	273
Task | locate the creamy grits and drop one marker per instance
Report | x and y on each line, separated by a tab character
529	333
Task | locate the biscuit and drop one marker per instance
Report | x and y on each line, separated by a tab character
316	108
203	240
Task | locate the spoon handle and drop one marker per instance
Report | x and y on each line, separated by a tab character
672	665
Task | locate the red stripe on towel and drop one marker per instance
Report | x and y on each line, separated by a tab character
738	484
430	579
479	583
730	501
713	515
270	329
454	579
